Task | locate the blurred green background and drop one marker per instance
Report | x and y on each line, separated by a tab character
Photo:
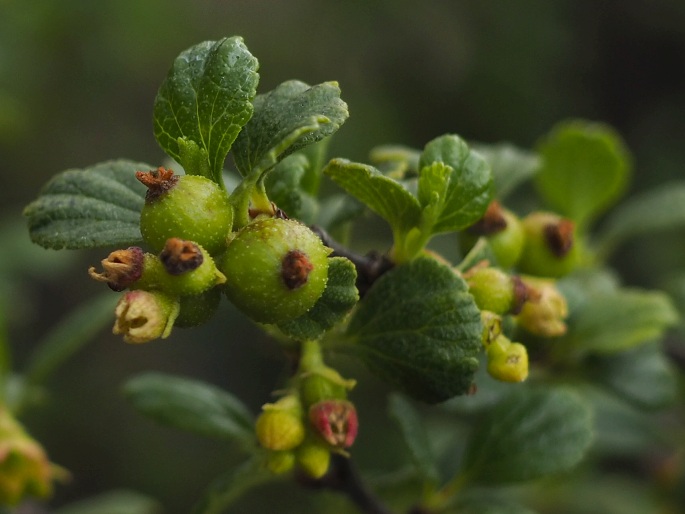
77	82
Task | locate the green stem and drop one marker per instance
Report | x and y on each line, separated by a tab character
311	356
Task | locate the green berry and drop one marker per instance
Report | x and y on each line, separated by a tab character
198	309
185	206
551	247
504	234
276	269
313	458
507	361
279	462
492	289
190	270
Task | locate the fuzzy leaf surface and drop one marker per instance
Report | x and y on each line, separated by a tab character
619	320
415	437
419	329
206	99
642	376
584	169
287	119
337	300
383	195
467	190
89	208
529	434
190	405
662	208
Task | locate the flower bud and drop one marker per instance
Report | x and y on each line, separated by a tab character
335	421
279	426
507	361
313	458
279	462
143	316
24	467
545	311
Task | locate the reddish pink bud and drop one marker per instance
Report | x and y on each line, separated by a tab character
335	421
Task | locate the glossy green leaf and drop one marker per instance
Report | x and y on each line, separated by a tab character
230	486
190	405
114	502
468	190
584	169
660	209
338	299
419	329
529	434
511	166
206	99
87	208
619	320
383	195
415	437
642	376
284	186
287	119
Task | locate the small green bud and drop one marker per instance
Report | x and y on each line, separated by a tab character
276	269
279	427
507	361
313	458
545	311
142	316
189	207
551	248
279	462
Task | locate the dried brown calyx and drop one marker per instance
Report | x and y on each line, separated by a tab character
121	268
180	256
492	222
157	181
559	237
295	269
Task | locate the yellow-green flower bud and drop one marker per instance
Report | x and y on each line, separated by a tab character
313	458
24	467
545	311
279	462
142	316
507	361
280	427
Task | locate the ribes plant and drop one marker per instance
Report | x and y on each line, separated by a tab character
521	290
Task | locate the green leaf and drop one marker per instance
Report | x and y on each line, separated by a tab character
71	334
88	208
625	318
487	504
415	437
383	195
529	434
206	99
230	486
191	405
642	376
468	191
337	300
660	209
585	169
419	329
510	165
287	119
114	502
284	188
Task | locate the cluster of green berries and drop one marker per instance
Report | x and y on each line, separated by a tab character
313	420
542	247
273	269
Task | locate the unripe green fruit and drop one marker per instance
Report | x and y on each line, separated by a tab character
279	462
507	361
507	244
551	248
198	309
279	429
492	289
185	206
316	387
189	269
276	270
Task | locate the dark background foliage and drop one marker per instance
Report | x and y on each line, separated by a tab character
77	82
